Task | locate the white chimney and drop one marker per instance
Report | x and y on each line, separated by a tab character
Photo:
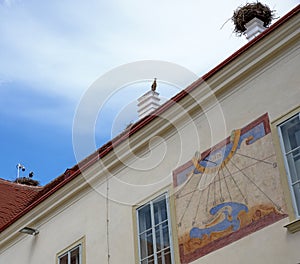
253	28
148	102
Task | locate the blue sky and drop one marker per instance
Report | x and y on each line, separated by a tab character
52	51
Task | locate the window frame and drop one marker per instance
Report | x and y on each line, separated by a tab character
67	251
295	203
164	196
294	224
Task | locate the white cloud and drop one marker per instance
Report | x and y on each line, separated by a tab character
61	47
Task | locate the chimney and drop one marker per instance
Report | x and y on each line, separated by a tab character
253	28
148	102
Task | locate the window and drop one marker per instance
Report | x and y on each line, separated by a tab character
72	256
289	132
154	234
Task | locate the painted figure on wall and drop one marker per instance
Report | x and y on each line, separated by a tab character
228	191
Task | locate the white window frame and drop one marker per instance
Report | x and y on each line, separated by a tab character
296	204
155	252
68	253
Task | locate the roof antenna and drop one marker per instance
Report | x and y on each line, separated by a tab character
20	167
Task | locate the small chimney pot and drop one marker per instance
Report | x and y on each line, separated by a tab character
253	28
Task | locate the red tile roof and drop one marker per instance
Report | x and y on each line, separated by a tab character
16	200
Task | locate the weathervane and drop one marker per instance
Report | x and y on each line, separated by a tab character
21	167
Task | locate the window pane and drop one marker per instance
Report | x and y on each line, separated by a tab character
294	134
75	256
153	228
144	216
296	188
164	257
290	131
63	259
146	244
160	211
162	236
291	134
294	165
149	260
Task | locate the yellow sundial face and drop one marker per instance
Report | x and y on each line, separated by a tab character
217	157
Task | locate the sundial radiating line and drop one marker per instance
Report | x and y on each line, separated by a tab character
224	177
267	196
236	184
193	192
260	160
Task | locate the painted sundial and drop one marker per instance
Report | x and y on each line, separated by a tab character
227	192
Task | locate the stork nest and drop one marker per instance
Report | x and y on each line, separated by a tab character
244	14
27	181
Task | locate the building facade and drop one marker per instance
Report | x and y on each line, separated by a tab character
213	175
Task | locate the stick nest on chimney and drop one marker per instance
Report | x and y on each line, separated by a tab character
244	14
